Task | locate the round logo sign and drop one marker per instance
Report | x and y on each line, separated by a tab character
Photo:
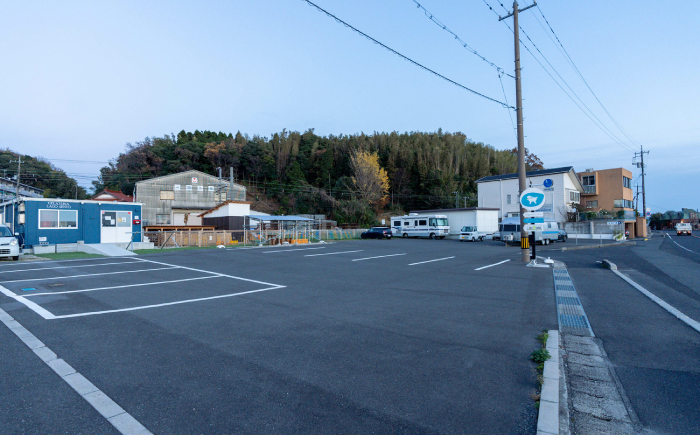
532	199
548	182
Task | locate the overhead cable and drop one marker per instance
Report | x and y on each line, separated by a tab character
432	18
405	57
571	61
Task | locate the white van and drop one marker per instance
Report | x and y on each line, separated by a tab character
434	226
545	233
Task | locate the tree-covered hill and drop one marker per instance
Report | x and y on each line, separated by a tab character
41	174
307	173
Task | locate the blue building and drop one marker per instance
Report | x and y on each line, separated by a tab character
45	221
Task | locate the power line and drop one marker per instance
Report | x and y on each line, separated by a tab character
571	61
595	121
405	57
432	18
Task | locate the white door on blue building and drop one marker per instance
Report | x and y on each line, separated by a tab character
115	227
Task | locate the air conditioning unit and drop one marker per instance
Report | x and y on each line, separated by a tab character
589	170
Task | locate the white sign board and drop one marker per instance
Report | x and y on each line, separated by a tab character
533	214
194	180
615	223
530	227
532	199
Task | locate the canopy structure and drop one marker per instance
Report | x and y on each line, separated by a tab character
273	230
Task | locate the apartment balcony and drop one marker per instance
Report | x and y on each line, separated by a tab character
590	190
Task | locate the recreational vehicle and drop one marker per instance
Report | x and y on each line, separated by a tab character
545	233
434	226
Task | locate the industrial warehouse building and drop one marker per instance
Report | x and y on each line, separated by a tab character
179	199
485	219
44	221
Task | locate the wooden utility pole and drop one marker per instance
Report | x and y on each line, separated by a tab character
644	193
19	168
524	248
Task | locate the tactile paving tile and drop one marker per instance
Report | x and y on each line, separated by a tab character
572	317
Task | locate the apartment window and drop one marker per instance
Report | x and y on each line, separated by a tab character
162	219
626	182
591	204
574	196
623	203
588	180
507	199
167	194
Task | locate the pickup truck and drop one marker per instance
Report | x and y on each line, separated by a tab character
471	234
684	229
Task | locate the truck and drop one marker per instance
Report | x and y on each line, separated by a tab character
472	234
684	229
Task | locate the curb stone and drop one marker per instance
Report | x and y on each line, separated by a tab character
548	418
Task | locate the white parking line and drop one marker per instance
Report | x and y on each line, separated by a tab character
332	253
90	274
120	286
378	256
430	261
31	305
213	273
291	250
143	307
491	265
69	267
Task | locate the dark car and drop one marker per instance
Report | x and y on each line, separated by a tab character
377	233
562	236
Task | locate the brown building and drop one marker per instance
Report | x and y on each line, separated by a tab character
610	190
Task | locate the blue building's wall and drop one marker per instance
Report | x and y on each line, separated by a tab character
88	230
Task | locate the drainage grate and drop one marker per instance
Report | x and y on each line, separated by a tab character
572	318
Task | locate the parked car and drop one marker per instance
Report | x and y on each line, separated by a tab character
377	233
471	234
562	236
9	247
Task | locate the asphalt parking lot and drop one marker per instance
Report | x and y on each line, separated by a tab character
371	336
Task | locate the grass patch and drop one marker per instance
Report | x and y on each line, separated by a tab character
68	255
539	356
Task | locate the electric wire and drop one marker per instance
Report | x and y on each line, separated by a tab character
598	123
571	61
432	18
403	56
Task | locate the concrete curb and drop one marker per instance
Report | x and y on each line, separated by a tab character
548	418
574	248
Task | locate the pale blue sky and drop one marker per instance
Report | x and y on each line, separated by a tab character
81	79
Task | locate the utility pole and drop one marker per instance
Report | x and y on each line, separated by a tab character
19	167
456	199
644	192
524	251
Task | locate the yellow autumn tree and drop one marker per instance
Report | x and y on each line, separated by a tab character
370	179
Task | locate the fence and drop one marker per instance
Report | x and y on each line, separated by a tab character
172	239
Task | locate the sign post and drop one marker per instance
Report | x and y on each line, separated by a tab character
531	199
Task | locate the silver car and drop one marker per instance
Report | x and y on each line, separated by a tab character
8	244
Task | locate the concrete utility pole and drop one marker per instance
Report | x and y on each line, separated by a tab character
524	248
644	192
19	167
456	199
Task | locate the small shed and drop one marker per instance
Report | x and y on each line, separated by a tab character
45	221
229	215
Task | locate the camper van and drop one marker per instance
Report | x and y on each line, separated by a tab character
434	226
545	233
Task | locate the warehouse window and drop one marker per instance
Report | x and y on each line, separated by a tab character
162	219
188	188
167	194
58	219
